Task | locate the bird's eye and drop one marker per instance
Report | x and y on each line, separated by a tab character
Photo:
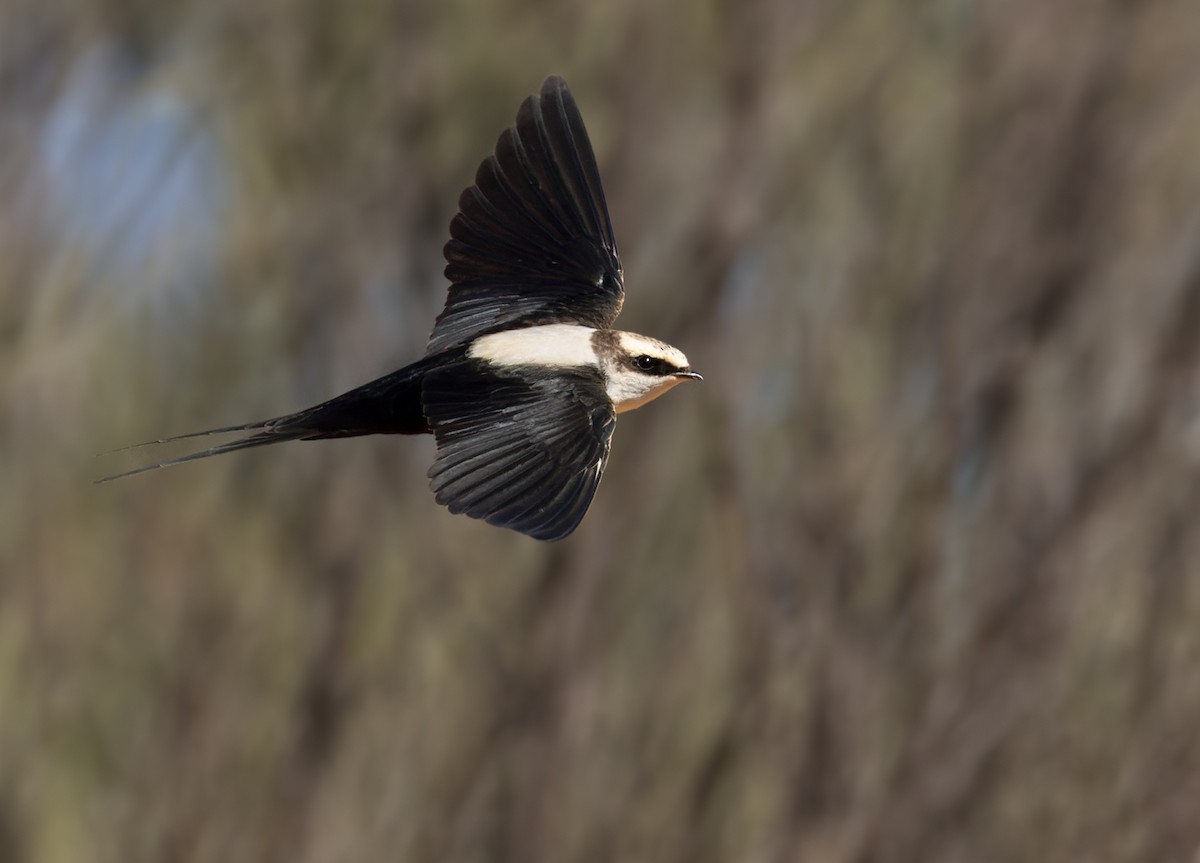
645	363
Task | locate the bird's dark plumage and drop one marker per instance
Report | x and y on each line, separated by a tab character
522	378
520	451
532	242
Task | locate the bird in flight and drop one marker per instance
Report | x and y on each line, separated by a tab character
523	376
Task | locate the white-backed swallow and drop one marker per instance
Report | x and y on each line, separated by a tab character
523	377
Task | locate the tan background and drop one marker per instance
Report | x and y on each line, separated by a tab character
913	576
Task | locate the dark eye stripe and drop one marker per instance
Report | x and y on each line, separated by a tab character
652	365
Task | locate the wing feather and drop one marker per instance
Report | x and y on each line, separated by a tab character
532	242
522	449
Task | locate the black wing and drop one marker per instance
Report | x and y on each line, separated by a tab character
532	242
522	452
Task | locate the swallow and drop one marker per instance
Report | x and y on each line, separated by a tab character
523	375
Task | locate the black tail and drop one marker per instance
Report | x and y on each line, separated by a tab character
389	405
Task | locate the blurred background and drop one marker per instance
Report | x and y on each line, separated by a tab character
911	577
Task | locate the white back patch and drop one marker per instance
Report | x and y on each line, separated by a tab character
567	345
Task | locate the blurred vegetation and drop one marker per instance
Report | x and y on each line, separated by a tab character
911	576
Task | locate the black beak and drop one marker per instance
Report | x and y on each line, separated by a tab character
691	376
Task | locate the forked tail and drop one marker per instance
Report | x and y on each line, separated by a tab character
264	436
388	405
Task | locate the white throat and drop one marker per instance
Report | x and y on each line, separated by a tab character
628	392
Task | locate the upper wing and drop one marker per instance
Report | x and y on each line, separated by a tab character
532	242
524	453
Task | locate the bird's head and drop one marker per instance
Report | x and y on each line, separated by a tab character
639	369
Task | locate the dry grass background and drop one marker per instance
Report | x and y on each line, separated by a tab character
913	576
